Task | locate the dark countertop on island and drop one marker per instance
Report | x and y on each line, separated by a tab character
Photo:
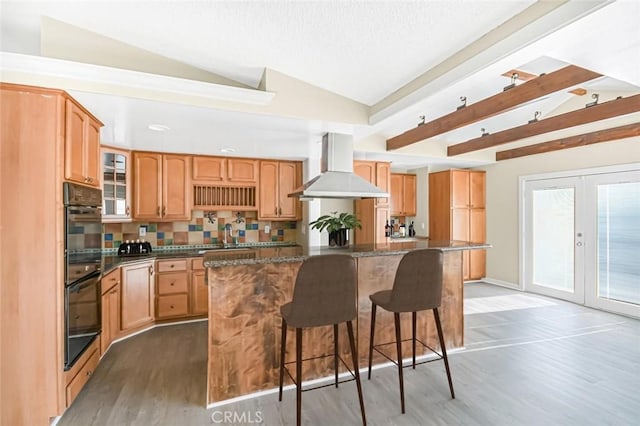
260	255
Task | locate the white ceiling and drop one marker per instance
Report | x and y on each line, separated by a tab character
363	50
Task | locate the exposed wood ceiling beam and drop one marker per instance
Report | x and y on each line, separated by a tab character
598	112
615	133
501	102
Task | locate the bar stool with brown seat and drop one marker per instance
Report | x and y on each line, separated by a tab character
417	287
324	294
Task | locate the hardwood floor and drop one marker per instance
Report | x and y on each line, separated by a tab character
528	360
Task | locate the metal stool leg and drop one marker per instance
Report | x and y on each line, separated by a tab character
354	356
298	376
396	317
444	350
373	329
335	351
413	338
283	344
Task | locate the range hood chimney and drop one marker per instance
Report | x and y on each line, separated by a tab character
337	179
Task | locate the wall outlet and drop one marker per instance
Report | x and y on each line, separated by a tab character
422	225
142	231
267	229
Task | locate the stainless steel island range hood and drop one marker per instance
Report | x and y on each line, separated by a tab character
337	179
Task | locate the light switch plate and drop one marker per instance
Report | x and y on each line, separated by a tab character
142	231
267	229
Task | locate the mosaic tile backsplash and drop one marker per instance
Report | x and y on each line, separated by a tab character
202	229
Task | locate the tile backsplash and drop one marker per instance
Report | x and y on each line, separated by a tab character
201	229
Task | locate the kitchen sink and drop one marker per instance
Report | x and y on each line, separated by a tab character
222	249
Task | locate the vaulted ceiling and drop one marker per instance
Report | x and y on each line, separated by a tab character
366	68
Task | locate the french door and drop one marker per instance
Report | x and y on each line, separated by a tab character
582	239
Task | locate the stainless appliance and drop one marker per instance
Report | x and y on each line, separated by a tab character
83	243
337	179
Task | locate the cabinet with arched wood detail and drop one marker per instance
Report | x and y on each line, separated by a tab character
161	186
81	145
277	180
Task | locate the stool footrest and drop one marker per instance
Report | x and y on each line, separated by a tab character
353	376
439	355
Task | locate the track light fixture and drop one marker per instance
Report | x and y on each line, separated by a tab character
463	99
514	77
594	103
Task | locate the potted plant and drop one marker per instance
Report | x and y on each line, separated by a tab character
338	226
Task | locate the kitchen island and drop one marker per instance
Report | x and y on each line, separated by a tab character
247	288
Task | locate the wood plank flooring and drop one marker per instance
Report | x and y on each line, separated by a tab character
528	360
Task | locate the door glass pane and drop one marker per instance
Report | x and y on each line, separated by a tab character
553	238
619	242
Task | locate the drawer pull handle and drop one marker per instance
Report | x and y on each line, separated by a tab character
172	265
171	306
171	284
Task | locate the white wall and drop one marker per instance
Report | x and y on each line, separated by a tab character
502	194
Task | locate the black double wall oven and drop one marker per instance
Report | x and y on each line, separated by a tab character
83	243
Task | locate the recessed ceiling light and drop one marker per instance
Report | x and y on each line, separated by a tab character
159	127
227	150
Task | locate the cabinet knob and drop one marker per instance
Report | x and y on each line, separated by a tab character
172	265
171	306
171	284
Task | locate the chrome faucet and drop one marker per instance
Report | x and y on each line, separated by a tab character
228	227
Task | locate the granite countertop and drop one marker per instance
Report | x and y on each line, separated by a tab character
298	254
111	260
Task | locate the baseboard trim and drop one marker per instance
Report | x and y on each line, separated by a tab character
501	283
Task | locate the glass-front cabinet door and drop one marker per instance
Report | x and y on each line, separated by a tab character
116	184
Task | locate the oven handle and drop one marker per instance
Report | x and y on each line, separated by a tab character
83	282
84	214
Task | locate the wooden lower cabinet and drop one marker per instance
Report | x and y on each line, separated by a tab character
181	289
137	298
82	371
199	288
173	305
110	309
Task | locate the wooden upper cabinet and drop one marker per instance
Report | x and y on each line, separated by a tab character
277	180
477	189
161	186
175	187
221	170
147	185
242	170
383	181
268	208
82	145
459	189
403	194
116	184
377	173
366	170
209	169
289	178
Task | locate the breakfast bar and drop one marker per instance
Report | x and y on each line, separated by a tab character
247	288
